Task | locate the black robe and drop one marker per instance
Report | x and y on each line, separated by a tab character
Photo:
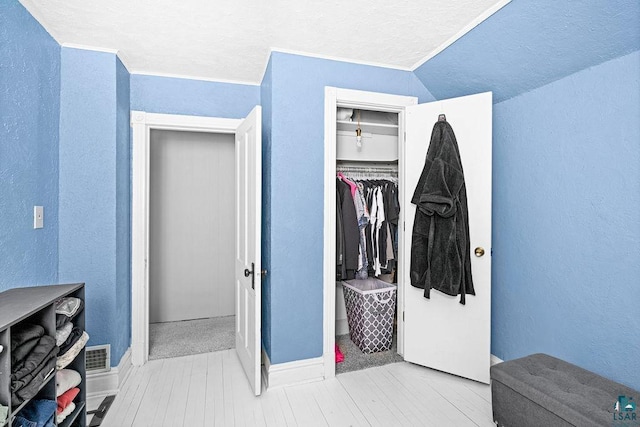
440	248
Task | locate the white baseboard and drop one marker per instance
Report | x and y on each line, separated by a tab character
297	372
495	360
104	384
302	371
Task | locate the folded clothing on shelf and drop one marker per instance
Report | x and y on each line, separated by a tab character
31	388
73	338
67	309
63	332
38	413
4	411
68	306
22	372
66	379
23	340
22	333
64	414
62	318
66	398
28	375
71	354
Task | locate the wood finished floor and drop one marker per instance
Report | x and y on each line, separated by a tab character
211	390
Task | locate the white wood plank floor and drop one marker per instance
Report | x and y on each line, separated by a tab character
211	390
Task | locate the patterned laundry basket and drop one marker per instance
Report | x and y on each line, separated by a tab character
370	304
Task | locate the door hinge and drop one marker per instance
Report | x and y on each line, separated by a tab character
403	316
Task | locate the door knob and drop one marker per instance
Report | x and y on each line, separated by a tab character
479	251
248	273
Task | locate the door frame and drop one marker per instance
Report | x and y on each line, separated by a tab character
142	123
334	98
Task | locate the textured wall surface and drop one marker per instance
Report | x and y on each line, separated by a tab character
528	44
89	194
29	116
122	334
265	101
566	239
296	191
192	97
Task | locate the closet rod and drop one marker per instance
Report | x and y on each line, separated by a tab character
357	169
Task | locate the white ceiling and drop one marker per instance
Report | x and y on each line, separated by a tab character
230	40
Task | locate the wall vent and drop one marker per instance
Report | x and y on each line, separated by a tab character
98	359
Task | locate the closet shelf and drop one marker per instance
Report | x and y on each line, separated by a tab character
370	127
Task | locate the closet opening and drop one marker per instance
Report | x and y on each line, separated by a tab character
441	348
367	243
364	135
191	230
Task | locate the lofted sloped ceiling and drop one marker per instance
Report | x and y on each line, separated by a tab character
528	44
230	40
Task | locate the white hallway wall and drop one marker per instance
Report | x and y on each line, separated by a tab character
191	225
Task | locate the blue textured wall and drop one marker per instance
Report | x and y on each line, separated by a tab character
566	242
122	338
192	97
296	190
29	114
528	44
93	190
266	100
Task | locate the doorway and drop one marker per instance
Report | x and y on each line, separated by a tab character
191	235
144	124
247	231
460	345
351	99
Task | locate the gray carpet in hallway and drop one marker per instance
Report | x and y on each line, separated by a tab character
173	339
355	360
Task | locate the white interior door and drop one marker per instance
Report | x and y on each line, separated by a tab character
247	247
441	333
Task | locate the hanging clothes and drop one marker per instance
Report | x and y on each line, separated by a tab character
348	262
381	258
440	253
362	214
371	200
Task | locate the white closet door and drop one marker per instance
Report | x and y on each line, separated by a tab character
440	332
247	247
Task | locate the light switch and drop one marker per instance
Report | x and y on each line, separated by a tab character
38	216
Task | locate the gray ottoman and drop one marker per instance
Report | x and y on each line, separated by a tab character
540	390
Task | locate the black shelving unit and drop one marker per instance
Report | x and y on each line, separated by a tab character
36	305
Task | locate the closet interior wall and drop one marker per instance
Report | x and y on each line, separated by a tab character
374	157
